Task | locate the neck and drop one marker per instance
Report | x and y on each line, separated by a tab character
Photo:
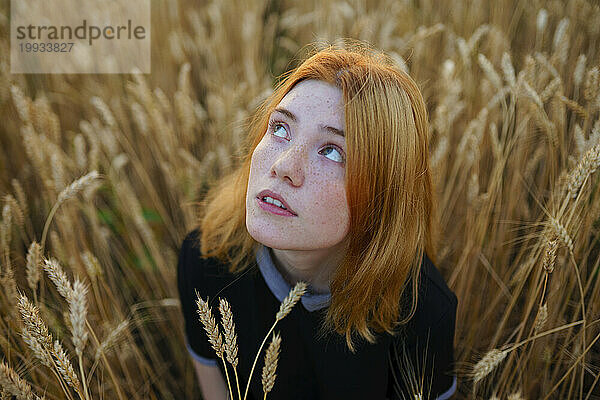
315	267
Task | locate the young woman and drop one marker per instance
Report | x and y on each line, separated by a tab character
335	190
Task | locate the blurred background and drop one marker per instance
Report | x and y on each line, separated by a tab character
513	95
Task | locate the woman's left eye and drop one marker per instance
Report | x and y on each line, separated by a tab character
275	126
339	157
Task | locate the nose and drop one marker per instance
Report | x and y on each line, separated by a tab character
291	164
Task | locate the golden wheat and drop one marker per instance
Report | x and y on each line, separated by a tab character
210	326
290	300
58	277
77	316
229	332
14	384
270	366
34	265
163	138
488	363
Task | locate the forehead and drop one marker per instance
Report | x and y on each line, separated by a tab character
317	100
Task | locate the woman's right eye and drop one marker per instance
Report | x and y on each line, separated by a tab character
275	126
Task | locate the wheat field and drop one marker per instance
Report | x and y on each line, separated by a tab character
100	176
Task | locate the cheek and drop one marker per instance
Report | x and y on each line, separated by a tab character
332	203
261	155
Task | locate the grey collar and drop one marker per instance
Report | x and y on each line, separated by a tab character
281	288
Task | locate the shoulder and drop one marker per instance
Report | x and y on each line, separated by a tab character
425	346
437	295
193	268
436	302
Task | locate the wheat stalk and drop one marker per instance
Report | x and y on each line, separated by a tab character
111	339
575	106
579	71
290	300
58	277
33	322
587	166
214	335
22	199
229	332
509	70
210	326
271	358
541	21
284	309
15	209
533	95
487	364
33	266
515	396
230	339
541	319
38	337
550	255
70	191
489	71
15	385
21	102
104	111
562	233
91	264
5	230
79	151
77	186
592	84
38	351
65	368
78	315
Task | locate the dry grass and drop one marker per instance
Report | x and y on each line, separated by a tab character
88	258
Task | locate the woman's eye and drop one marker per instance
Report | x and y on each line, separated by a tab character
275	126
338	157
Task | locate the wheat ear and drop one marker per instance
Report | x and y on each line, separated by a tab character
67	193
562	233
284	309
487	364
271	358
515	396
33	267
65	368
33	322
587	166
11	381
111	339
210	326
541	318
231	347
58	277
77	315
39	332
550	255
214	336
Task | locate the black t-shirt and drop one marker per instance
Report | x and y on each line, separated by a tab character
312	367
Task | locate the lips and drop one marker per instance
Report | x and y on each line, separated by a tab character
277	196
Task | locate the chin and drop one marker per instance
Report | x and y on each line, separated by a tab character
267	237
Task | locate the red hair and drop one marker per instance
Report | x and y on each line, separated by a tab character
388	184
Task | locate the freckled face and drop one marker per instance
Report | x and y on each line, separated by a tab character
305	164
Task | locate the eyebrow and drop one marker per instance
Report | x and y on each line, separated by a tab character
327	128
